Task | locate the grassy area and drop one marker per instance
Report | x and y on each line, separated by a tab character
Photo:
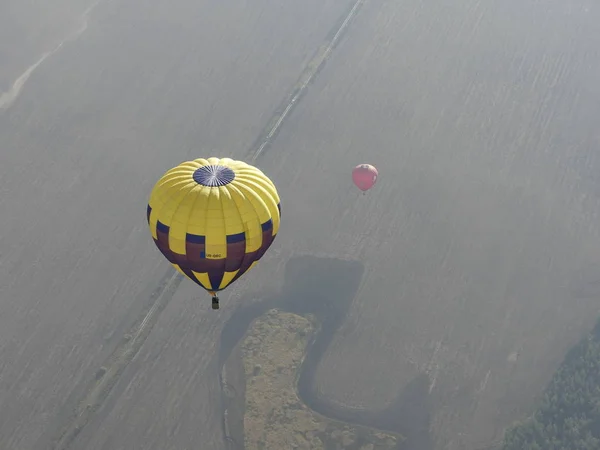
275	417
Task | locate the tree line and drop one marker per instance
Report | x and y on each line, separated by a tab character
568	417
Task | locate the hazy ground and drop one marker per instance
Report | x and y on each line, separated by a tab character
31	28
143	88
484	222
481	239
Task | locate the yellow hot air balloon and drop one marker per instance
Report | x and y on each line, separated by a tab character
213	219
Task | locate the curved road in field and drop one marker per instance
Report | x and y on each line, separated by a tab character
308	291
481	235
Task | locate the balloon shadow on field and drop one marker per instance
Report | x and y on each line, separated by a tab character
326	288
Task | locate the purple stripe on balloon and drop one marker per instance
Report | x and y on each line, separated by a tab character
195	259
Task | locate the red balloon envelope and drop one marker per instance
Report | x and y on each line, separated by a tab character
364	176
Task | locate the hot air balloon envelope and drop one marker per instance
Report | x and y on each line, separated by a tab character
213	219
364	176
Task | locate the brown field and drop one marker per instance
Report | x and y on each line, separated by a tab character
483	228
481	240
143	88
32	28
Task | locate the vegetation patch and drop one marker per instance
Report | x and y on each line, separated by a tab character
275	417
569	415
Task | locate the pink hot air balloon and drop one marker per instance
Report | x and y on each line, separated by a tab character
364	176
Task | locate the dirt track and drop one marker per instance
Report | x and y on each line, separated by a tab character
480	240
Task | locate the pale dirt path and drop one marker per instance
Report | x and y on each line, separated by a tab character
32	29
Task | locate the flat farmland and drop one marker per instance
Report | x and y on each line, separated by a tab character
31	29
142	88
481	239
480	242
